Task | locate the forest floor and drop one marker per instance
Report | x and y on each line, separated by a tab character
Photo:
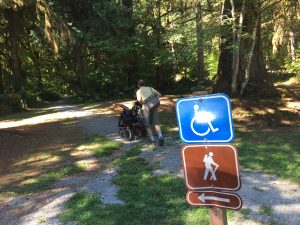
50	154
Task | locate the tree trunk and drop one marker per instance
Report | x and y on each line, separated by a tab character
293	4
38	70
200	51
247	71
292	46
173	49
130	67
1	81
98	59
81	52
157	29
128	4
209	6
255	72
224	73
237	34
12	26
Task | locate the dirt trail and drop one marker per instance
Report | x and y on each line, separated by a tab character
56	132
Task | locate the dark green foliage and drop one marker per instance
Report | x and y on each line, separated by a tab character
188	86
49	95
97	50
11	103
32	99
110	50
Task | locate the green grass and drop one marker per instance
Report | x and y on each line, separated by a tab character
273	222
149	199
258	189
272	152
265	210
268	210
101	146
245	213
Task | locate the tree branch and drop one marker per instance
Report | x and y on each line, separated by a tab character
264	8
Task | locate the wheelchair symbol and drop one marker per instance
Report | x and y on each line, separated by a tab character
203	117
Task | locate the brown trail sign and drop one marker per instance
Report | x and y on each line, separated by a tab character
212	198
211	167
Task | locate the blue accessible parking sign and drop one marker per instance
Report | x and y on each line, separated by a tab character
205	119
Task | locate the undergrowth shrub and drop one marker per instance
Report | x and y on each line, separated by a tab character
48	95
11	103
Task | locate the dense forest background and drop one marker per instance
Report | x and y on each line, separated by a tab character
99	49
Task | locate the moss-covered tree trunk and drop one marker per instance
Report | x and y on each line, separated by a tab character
81	54
200	49
251	60
1	81
15	62
158	36
130	66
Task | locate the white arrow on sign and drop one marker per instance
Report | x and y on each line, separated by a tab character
203	198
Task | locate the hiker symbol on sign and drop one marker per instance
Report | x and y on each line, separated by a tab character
208	161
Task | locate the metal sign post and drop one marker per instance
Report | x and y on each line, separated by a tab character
217	216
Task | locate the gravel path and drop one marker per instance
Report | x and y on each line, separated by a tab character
281	197
165	160
104	125
41	208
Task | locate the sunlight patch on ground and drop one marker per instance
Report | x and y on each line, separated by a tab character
81	153
175	129
290	82
264	112
38	158
286	122
100	146
29	181
241	113
52	117
89	147
295	105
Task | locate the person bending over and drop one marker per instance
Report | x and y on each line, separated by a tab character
151	117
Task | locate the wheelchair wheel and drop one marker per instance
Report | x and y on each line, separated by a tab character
128	134
143	133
